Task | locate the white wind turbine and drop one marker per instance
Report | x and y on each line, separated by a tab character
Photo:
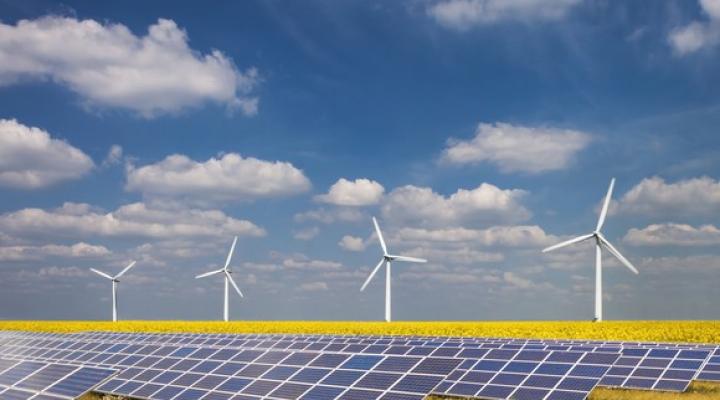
387	259
115	279
228	281
600	242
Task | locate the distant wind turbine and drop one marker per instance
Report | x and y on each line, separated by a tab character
228	281
600	242
387	259
115	279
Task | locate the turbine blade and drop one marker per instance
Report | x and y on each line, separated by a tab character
209	273
234	285
380	236
230	254
104	275
408	259
617	254
606	204
369	278
568	242
125	270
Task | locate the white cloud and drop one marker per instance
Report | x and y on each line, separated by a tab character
304	263
461	255
464	14
225	179
653	196
109	66
699	262
307	234
313	286
423	206
673	234
360	192
697	35
342	214
510	236
131	220
517	281
30	158
352	243
20	253
114	156
516	148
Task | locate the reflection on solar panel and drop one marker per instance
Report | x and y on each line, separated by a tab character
40	380
223	366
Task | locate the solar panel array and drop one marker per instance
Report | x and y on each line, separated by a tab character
21	380
328	367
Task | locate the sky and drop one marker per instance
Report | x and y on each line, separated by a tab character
478	132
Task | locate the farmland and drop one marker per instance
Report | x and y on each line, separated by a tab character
661	331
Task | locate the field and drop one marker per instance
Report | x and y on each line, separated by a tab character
662	331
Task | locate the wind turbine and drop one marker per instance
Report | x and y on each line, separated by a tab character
228	281
115	279
387	259
600	242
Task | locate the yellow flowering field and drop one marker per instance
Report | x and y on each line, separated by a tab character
664	331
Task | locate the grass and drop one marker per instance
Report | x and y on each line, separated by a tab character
661	331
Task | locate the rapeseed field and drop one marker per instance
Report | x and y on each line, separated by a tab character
661	331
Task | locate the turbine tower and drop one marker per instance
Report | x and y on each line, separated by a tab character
115	279
600	243
228	281
387	259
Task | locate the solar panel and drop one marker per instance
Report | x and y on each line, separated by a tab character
527	374
656	369
40	380
711	370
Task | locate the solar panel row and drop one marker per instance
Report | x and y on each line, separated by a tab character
145	357
41	380
675	374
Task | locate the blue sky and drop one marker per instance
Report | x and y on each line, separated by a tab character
477	131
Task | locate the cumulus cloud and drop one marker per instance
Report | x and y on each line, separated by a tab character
313	286
360	192
697	35
423	206
455	255
465	14
304	263
506	236
114	156
110	66
81	249
307	234
131	220
30	158
230	177
325	216
352	243
673	234
653	196
515	148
